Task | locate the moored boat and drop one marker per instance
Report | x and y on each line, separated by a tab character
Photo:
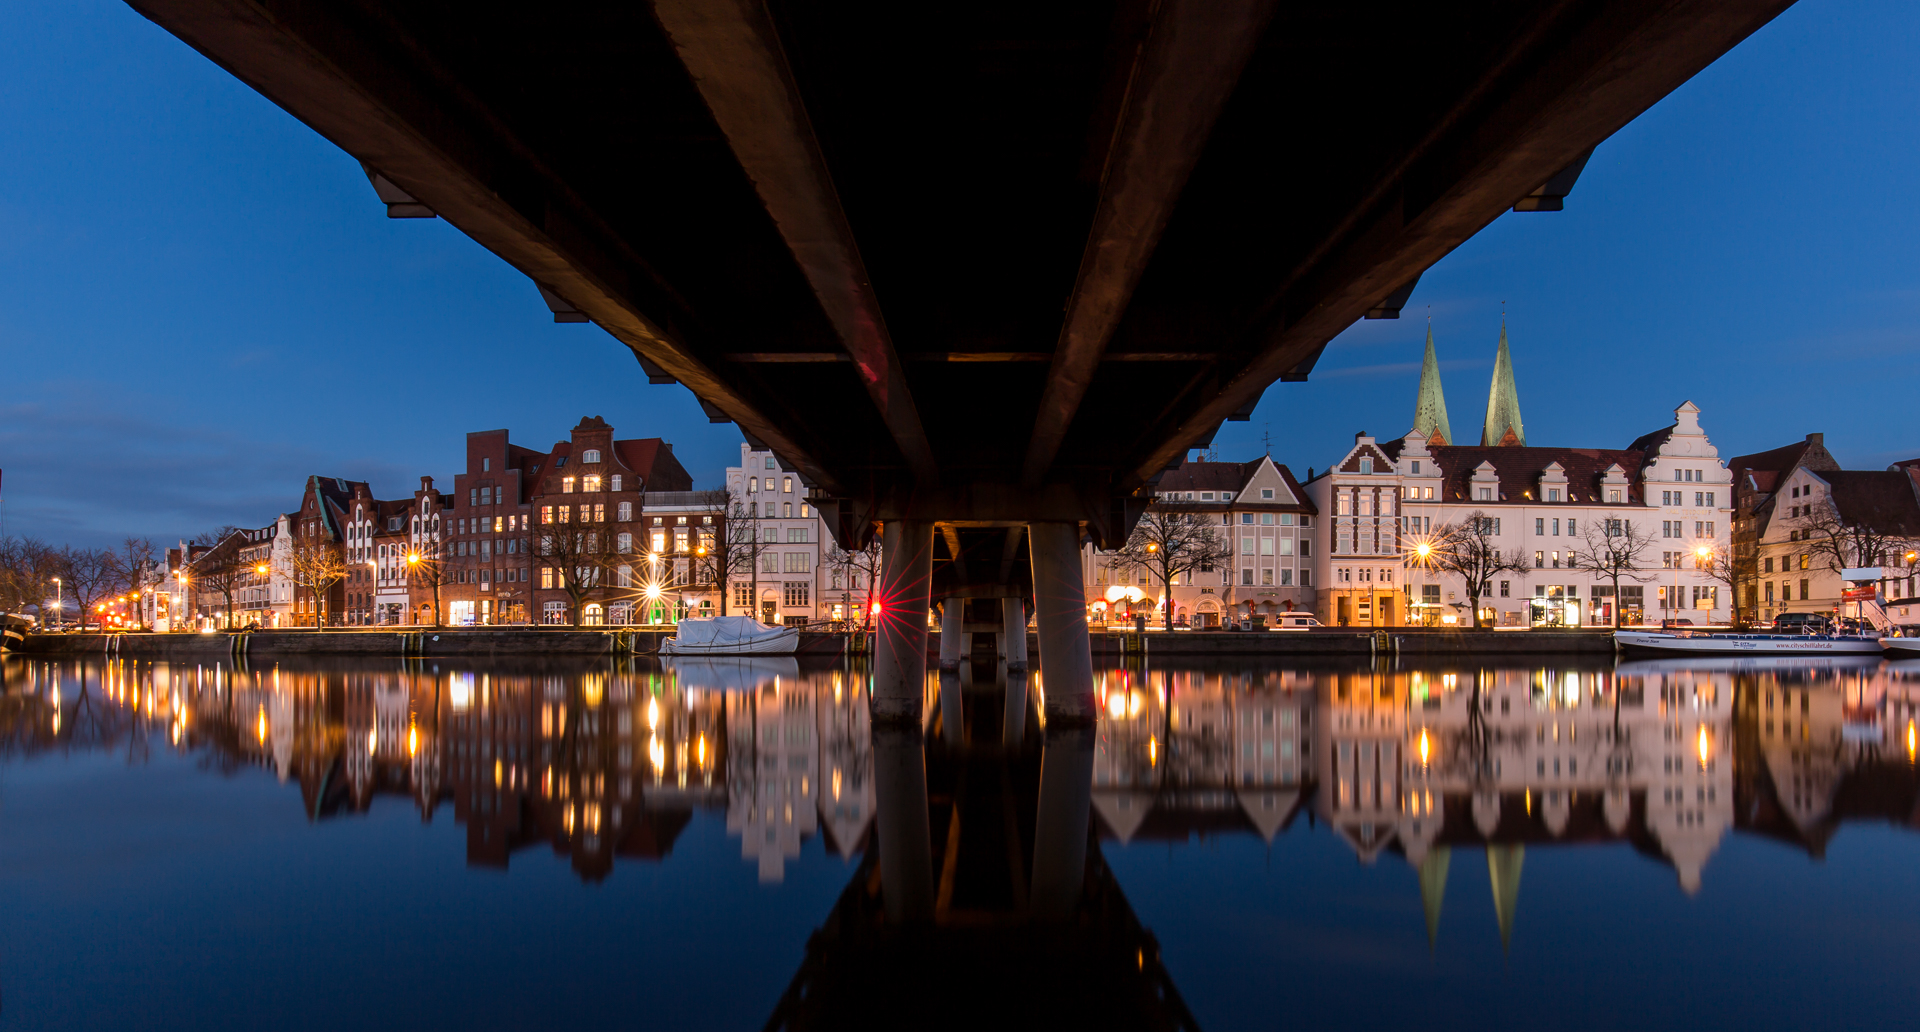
1659	643
730	636
1901	648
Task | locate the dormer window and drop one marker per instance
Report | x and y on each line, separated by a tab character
1366	466
1613	496
1553	494
559	462
591	455
1484	494
1206	496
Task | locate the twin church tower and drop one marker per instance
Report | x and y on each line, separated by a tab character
1502	426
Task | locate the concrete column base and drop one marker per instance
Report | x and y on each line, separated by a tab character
1013	634
1060	608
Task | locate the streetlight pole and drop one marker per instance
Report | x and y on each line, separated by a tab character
59	604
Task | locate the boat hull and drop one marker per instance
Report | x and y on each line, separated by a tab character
781	644
1901	648
1648	643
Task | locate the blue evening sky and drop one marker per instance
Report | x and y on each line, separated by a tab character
201	301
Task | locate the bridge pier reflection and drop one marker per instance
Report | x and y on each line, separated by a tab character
965	825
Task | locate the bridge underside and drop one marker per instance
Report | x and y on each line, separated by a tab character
988	262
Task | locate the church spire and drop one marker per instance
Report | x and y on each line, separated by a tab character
1503	424
1430	409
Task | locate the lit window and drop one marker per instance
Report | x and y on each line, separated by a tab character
786	485
566	514
566	485
590	484
546	514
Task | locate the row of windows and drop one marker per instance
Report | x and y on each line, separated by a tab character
753	485
1267	546
793	594
589	484
1701	499
1266	495
1786	563
492	524
1678	529
780	510
1786	590
1267	577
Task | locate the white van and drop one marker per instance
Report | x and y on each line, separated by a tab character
1292	622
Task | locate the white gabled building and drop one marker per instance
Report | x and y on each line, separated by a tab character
1262	514
787	581
1382	497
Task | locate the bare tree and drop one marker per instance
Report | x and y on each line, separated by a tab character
736	550
430	565
1468	548
315	562
1172	543
1843	544
1614	549
90	575
135	560
582	557
852	568
222	570
27	569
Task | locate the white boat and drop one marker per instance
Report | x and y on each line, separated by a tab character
730	636
1901	648
1656	643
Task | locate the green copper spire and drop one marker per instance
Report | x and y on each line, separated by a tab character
1430	409
1433	887
1503	402
1503	866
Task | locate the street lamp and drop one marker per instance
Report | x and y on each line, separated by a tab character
59	603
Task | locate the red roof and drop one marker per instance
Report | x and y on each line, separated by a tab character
1520	469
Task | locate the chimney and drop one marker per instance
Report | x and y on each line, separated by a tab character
1819	439
426	483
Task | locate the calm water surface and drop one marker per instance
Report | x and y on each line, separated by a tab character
1712	843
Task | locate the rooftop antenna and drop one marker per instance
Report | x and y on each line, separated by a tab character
1266	437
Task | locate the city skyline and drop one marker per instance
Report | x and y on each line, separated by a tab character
177	216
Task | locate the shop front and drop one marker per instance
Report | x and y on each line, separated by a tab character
1554	605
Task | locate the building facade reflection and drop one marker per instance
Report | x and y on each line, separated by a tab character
611	761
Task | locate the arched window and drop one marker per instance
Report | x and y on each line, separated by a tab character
590	455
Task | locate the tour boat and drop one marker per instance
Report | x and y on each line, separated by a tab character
1657	643
730	636
1901	648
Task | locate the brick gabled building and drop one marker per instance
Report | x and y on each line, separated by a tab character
489	510
322	519
427	526
1757	481
1265	517
483	527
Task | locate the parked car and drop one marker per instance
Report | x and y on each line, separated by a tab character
1802	623
1293	622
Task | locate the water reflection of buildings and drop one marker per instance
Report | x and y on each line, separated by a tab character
598	763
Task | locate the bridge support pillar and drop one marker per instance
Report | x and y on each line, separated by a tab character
1060	608
900	660
906	848
953	633
1014	726
1060	825
952	715
1013	633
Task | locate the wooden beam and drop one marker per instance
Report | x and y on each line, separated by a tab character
1185	70
733	53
